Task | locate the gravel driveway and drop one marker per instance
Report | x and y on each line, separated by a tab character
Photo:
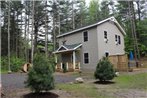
16	80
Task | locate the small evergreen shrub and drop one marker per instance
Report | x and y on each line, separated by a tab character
104	70
40	76
52	62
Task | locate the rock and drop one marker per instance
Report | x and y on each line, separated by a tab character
79	80
117	74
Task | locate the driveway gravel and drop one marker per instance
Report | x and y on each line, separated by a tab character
16	80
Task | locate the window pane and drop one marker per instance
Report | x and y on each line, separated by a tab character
86	58
105	34
116	38
119	41
85	35
86	61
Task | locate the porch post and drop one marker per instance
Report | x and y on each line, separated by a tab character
61	65
74	59
67	65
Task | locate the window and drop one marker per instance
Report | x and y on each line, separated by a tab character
86	58
105	34
106	54
115	38
119	40
85	35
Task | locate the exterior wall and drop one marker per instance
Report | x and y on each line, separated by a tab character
111	46
90	46
95	46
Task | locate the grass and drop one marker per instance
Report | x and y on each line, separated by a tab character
3	71
136	81
92	90
82	90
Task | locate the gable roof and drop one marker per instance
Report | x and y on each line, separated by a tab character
65	48
112	19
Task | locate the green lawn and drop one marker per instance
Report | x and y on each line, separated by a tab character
3	71
136	81
82	90
91	90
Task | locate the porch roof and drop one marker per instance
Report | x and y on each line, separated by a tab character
65	48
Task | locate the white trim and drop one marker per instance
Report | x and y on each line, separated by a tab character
115	21
79	65
67	65
63	51
67	49
74	59
77	47
61	65
61	47
111	19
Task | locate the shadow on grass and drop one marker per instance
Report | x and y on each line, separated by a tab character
41	95
104	82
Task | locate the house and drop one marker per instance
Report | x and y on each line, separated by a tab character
84	47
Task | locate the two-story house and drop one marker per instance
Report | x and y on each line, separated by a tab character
84	47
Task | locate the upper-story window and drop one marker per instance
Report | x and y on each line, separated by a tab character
105	35
85	36
117	39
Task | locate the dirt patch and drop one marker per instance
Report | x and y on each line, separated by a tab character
104	82
120	93
130	93
41	95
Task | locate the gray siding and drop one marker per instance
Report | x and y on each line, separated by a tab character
96	46
111	46
90	46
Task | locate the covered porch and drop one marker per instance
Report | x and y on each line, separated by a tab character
67	58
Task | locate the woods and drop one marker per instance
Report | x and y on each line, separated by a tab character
29	27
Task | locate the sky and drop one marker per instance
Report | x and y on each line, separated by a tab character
87	2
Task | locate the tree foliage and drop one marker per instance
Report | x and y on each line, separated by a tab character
104	70
40	76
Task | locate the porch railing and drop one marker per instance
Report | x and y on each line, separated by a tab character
69	66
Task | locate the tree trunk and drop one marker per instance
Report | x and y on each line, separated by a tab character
35	37
46	34
32	40
9	68
73	17
25	36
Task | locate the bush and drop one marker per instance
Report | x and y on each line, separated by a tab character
4	63
52	62
104	70
40	76
16	64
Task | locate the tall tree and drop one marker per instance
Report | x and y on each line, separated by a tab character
80	14
9	36
107	9
94	11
